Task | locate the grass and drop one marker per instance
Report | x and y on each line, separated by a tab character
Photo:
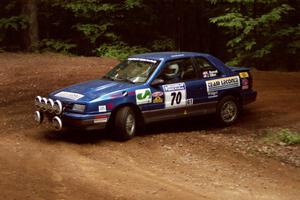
283	135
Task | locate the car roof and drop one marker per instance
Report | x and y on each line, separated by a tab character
168	55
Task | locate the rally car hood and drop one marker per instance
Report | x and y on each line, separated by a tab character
90	90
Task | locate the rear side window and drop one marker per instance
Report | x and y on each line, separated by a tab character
205	68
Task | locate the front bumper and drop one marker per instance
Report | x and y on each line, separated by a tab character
58	114
85	121
74	120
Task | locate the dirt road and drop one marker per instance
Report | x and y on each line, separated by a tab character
182	159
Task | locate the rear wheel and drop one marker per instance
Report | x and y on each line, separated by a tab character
228	110
125	124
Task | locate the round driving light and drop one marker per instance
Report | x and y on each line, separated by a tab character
50	104
37	101
57	123
44	103
38	117
57	107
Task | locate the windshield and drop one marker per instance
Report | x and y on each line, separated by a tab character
133	70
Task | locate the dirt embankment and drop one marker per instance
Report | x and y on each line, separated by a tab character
181	159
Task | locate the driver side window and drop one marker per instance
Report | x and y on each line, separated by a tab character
178	71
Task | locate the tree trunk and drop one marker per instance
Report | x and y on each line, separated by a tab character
31	34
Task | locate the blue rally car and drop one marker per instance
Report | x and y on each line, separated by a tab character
151	87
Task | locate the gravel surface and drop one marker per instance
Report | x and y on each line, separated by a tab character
181	159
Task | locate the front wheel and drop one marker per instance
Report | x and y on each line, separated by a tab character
228	110
125	124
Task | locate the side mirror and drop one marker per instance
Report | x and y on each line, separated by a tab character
157	81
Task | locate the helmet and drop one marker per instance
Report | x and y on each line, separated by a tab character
172	70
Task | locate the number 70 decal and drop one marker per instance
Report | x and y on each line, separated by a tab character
175	95
176	98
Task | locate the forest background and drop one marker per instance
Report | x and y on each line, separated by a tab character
264	34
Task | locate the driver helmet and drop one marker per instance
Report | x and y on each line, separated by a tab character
172	70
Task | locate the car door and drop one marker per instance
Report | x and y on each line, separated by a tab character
207	73
170	99
202	101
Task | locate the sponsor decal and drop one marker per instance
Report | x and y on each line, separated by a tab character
100	120
157	100
175	95
210	74
245	84
142	59
102	108
212	94
222	83
205	74
69	95
213	73
143	96
116	95
105	86
157	94
174	87
244	74
125	93
177	55
189	101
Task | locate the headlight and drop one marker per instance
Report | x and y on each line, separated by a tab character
50	104
57	107
44	103
78	107
37	102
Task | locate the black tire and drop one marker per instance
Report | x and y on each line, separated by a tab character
121	126
228	110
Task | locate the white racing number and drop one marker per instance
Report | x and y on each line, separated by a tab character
175	95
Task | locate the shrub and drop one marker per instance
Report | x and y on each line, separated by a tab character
282	135
56	46
164	45
288	137
119	50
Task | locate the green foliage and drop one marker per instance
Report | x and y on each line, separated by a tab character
259	31
254	32
282	135
56	46
93	31
163	45
87	8
119	50
94	22
129	4
288	137
15	23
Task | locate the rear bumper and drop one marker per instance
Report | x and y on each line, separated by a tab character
249	97
85	121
